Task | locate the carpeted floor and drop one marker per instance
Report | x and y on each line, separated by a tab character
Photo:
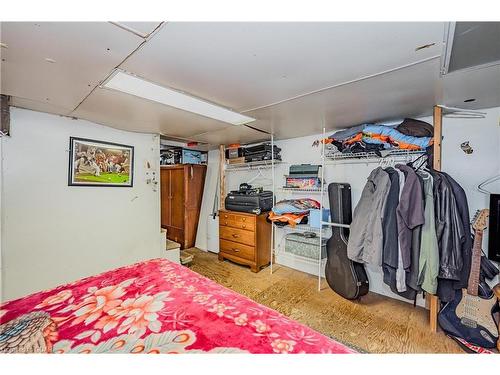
376	324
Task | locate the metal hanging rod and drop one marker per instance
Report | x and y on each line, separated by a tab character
461	113
335	224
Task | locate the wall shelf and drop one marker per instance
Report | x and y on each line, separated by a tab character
299	228
364	157
297	190
251	165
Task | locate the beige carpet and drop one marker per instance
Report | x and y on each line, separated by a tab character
376	324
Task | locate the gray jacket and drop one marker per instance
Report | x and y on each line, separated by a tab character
366	235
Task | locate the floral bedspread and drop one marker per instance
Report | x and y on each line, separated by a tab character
151	307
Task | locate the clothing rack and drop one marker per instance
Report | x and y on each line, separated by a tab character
432	301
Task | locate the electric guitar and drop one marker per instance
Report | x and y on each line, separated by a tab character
469	315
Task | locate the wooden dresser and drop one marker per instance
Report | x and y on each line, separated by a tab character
245	238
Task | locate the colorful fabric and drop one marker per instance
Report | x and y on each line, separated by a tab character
295	206
386	135
394	137
151	307
286	219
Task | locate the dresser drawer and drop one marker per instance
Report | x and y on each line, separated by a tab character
237	249
237	235
236	220
241	223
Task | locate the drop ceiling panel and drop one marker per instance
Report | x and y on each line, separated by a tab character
84	54
37	106
480	84
233	134
129	112
248	65
412	91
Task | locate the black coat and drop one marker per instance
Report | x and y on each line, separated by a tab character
452	233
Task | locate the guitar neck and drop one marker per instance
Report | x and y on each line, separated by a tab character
473	284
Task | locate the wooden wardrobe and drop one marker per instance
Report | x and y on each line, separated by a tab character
181	193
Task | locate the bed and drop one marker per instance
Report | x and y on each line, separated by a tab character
151	307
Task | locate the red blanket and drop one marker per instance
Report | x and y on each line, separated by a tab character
151	307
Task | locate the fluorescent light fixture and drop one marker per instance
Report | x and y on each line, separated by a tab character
136	86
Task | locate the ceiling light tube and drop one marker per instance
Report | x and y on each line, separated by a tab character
133	85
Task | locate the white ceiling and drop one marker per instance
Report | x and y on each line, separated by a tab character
84	54
248	65
292	77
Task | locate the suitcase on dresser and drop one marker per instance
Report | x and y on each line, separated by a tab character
250	203
244	239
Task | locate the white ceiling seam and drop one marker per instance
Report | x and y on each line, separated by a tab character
147	39
346	83
134	31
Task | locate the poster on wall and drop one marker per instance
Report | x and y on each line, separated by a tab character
97	163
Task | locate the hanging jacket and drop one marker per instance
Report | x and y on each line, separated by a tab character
449	229
429	251
366	238
463	209
447	288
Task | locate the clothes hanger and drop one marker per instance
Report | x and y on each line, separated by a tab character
262	177
461	113
487	182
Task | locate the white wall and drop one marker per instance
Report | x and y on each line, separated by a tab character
472	169
54	233
468	170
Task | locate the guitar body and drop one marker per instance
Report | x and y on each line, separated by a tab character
345	277
471	318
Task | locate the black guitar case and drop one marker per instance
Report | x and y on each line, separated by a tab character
344	276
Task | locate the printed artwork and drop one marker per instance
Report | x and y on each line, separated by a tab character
96	163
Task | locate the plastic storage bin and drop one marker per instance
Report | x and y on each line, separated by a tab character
314	217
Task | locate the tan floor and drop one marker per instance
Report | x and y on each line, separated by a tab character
376	324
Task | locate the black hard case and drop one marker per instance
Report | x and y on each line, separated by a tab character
344	276
249	203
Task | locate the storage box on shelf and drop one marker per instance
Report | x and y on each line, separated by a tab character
306	246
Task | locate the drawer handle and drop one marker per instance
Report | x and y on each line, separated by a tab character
236	235
236	250
225	216
226	222
243	226
244	218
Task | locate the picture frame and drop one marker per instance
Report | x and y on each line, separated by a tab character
100	163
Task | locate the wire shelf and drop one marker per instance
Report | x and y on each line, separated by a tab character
301	190
299	228
251	165
372	156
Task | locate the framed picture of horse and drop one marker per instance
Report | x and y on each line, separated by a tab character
98	163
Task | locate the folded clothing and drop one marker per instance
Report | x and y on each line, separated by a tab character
392	136
385	135
416	128
288	219
295	206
